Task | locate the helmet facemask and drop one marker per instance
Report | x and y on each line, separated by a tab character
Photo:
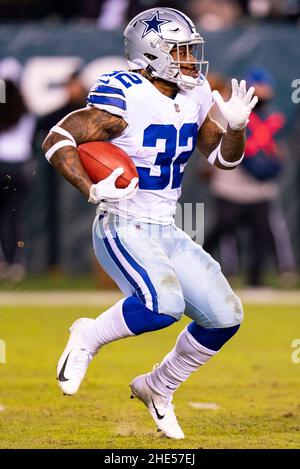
186	54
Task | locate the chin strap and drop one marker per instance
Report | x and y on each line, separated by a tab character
186	82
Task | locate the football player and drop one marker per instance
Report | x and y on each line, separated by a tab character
157	112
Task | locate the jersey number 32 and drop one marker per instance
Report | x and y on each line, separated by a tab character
168	166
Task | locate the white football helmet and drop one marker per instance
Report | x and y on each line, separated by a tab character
151	35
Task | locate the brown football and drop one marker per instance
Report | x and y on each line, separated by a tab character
99	159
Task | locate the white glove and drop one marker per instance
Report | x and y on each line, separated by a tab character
237	110
107	190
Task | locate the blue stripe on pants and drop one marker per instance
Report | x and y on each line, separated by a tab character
140	270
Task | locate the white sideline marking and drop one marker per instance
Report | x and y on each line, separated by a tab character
108	297
60	298
204	405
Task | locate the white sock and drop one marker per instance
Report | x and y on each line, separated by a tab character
187	356
106	328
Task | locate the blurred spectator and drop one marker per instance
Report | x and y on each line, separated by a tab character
113	14
76	100
16	132
110	14
274	9
214	15
116	14
292	184
244	196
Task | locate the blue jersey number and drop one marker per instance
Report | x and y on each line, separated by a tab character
127	79
164	160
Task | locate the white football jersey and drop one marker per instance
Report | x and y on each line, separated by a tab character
160	137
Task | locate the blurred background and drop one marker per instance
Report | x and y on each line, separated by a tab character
51	52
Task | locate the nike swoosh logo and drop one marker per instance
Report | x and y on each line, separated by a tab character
160	417
172	389
61	376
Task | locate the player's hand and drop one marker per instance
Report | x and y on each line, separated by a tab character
237	110
106	189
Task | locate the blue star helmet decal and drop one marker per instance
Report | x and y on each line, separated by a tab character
153	24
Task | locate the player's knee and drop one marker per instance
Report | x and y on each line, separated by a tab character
236	311
172	304
240	311
232	314
221	327
228	313
140	319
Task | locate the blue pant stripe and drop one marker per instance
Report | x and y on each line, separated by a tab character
118	263
142	272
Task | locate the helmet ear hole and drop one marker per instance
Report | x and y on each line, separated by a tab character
150	56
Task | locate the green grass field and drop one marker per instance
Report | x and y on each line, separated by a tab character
253	380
